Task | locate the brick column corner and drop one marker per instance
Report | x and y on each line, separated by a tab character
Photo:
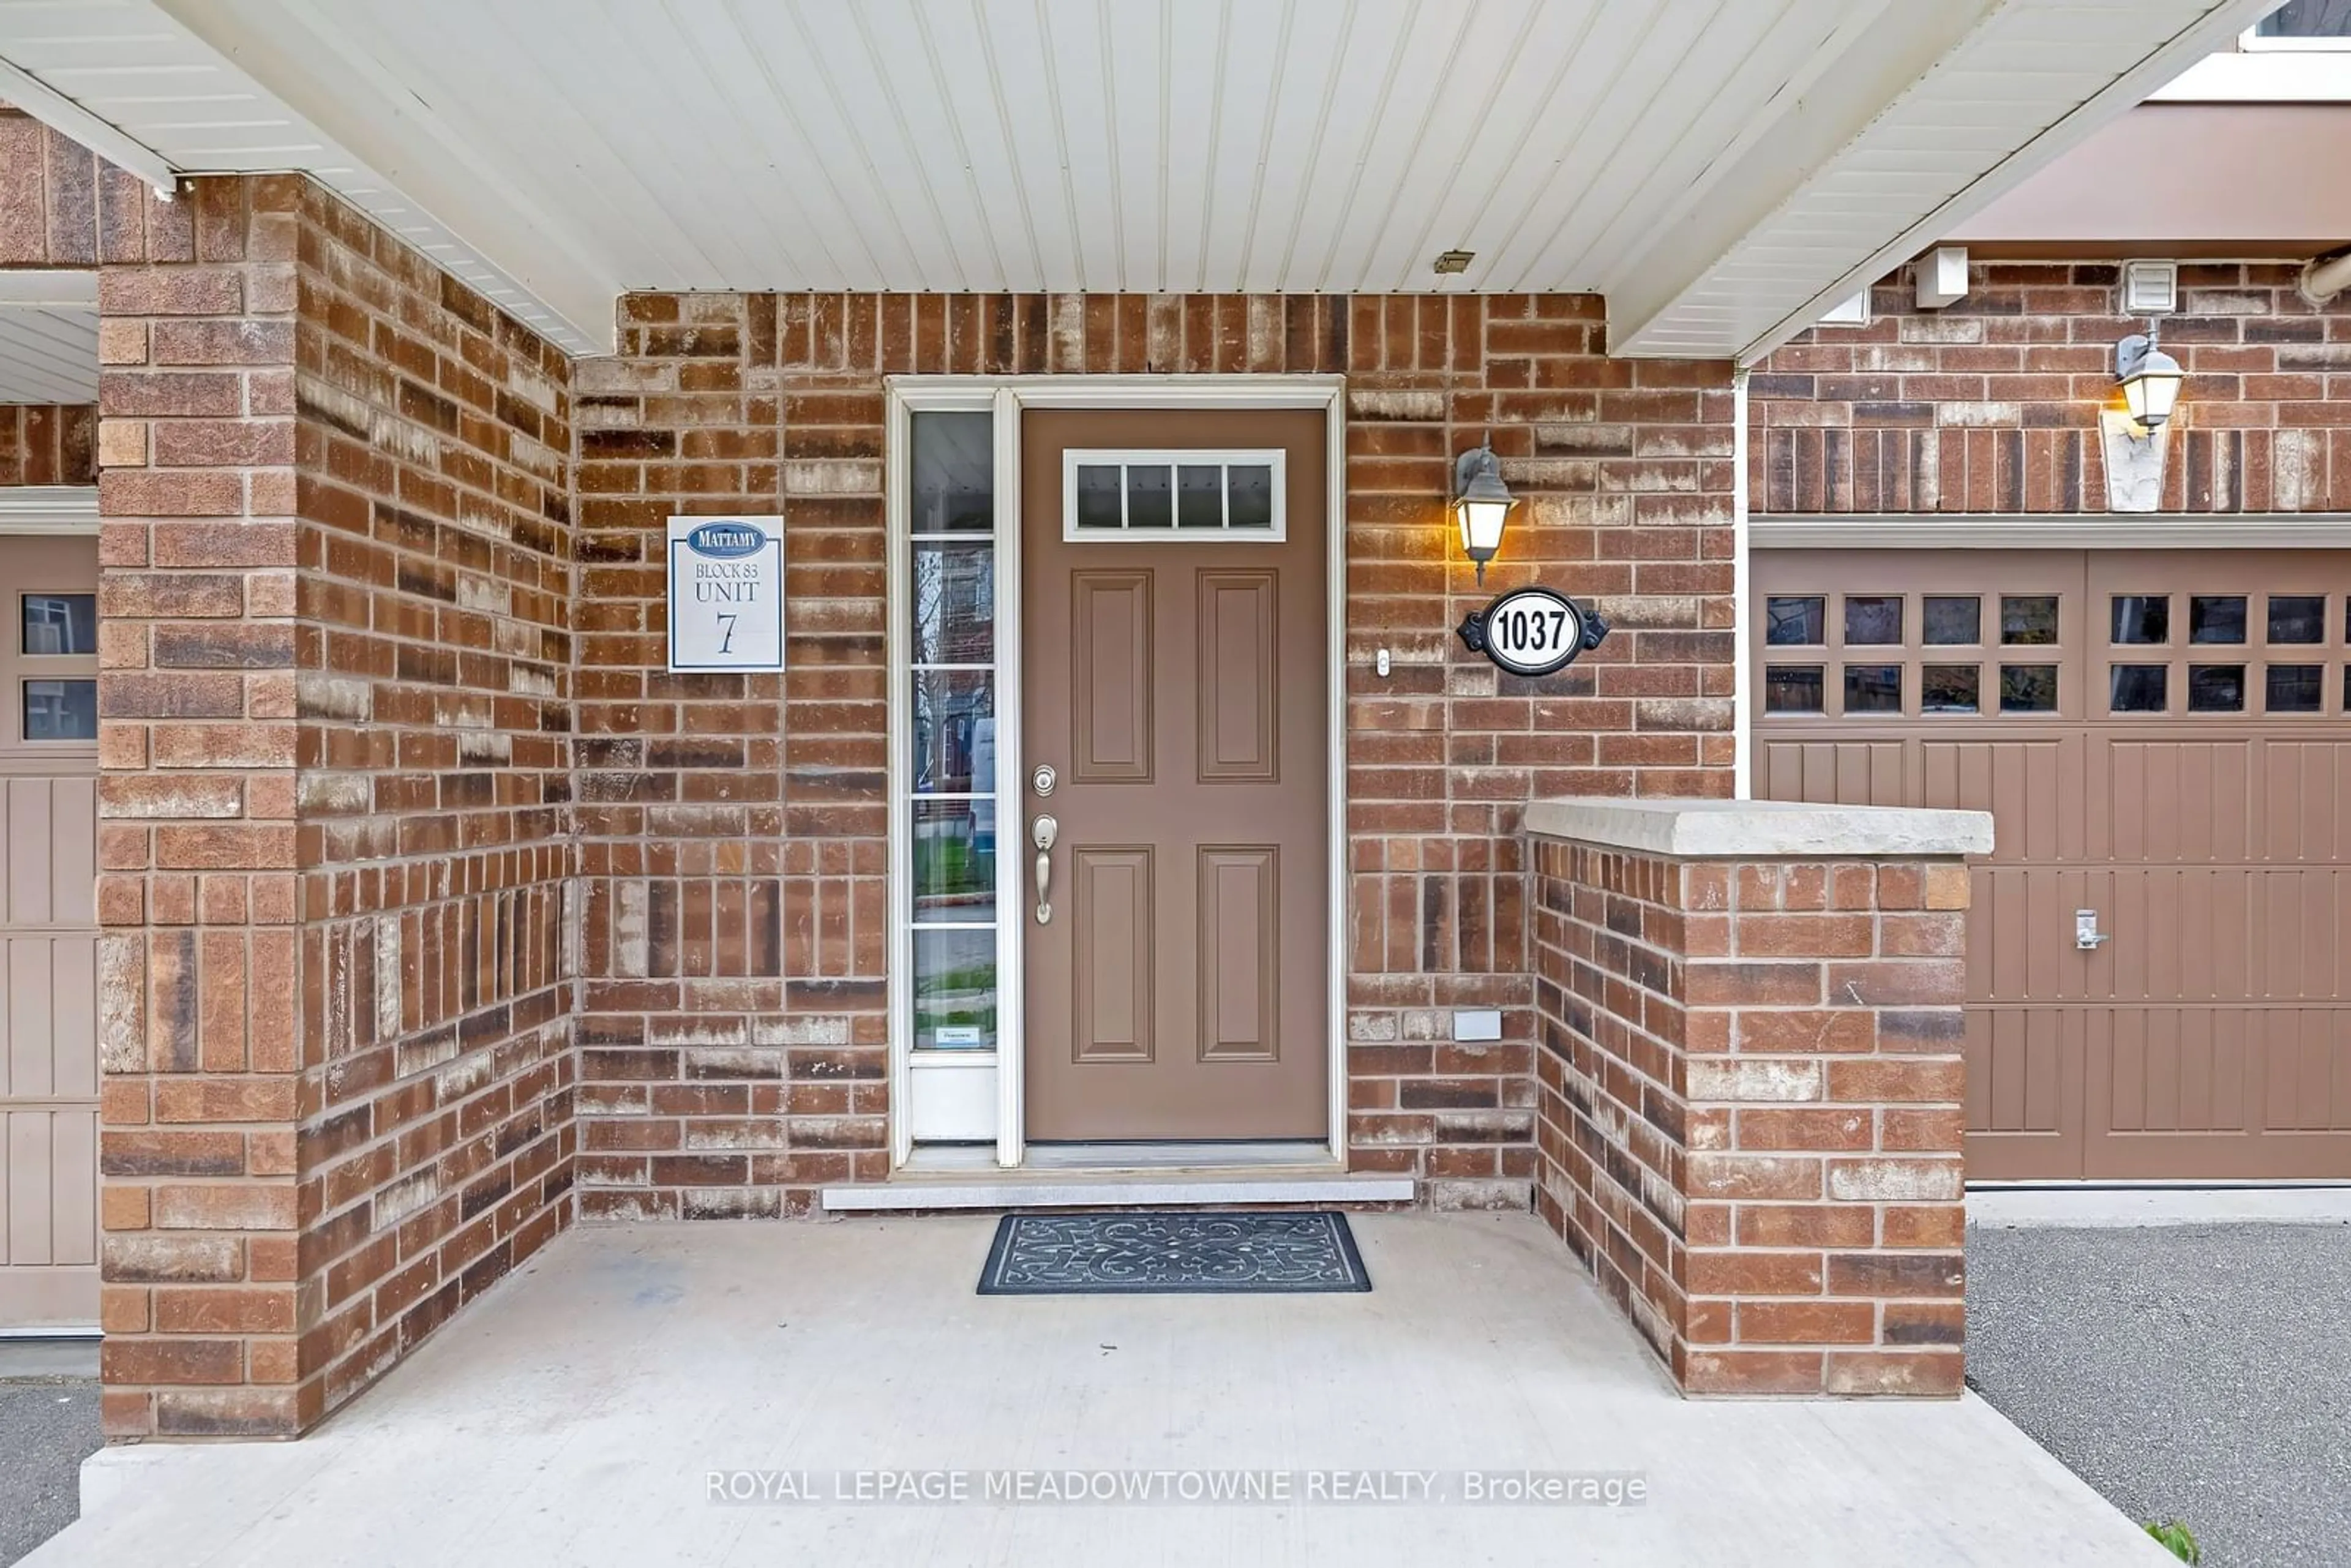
335	603
1750	1084
199	976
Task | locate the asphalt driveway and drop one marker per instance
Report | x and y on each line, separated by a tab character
48	1426
2195	1372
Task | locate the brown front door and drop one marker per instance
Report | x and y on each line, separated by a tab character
2159	735
1173	678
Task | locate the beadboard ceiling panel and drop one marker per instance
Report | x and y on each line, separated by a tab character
136	67
1716	167
49	353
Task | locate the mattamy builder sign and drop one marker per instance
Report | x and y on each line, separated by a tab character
726	594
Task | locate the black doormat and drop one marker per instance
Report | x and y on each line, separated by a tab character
1164	1253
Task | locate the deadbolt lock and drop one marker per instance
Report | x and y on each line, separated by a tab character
1044	778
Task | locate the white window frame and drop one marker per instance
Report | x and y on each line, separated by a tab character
1171	457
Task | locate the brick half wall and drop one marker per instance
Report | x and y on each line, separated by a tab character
1749	1084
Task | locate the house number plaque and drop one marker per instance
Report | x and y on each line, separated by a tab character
1531	631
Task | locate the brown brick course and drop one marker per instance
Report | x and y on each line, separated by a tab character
1761	1178
1991	405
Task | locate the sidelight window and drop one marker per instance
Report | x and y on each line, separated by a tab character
950	734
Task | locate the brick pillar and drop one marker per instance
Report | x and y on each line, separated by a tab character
1750	1083
335	807
198	1035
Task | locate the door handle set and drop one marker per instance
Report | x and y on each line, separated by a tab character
2087	938
1041	833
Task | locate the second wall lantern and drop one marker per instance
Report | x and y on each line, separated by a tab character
2149	377
1481	504
2135	435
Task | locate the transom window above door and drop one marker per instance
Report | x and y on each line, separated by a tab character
1165	496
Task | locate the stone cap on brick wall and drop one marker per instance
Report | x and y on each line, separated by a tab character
1759	829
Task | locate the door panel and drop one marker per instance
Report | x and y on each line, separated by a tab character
1111	921
1239	695
1240	900
48	940
2166	780
1176	681
1112	681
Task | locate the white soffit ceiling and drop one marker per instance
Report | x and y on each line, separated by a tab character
48	337
134	67
1716	167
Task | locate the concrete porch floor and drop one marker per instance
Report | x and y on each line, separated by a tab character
572	1417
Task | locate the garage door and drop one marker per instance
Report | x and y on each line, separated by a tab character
2158	945
48	1032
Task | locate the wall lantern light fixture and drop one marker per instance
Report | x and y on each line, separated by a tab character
2150	379
1481	503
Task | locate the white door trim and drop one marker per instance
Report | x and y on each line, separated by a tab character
1009	396
2053	530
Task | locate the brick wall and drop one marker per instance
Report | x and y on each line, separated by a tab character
432	446
733	1038
48	443
334	603
63	205
1991	405
1750	1089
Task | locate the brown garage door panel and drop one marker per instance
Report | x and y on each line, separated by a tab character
2210	829
48	938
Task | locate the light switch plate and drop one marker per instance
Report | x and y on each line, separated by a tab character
1477	1023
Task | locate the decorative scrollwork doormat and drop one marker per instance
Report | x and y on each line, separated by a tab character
1173	1252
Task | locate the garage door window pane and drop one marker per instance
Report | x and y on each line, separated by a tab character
2216	688
1793	688
2028	620
2216	618
1873	688
1875	622
2142	618
1953	621
2297	618
2028	688
60	710
1950	688
60	623
2296	688
2139	689
1797	621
